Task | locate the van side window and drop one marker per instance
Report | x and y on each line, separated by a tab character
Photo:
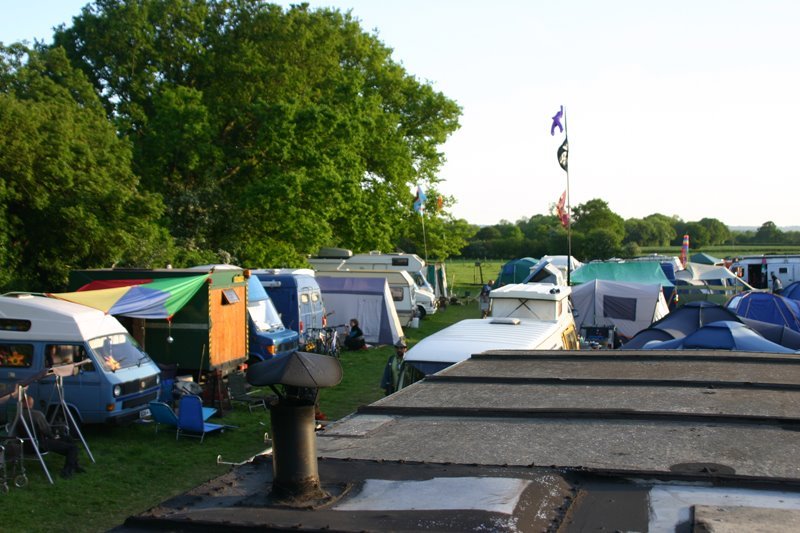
16	355
64	354
397	293
14	324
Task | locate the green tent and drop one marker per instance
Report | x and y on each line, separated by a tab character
637	272
705	259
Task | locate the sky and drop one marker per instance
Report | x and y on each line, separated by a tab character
688	108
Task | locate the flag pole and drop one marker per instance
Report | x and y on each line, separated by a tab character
569	208
424	237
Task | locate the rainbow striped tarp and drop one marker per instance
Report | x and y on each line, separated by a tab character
137	298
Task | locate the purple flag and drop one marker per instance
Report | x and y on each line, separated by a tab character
557	122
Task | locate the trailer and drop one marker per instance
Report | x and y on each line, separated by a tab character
757	270
209	333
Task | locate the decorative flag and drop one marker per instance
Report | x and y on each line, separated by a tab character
563	155
561	210
439	202
685	250
419	200
557	122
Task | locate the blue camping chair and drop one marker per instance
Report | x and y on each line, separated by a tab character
190	419
162	413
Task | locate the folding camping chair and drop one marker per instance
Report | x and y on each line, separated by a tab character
237	390
190	419
162	413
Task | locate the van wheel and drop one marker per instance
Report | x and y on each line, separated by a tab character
421	312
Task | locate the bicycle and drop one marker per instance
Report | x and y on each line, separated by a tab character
324	341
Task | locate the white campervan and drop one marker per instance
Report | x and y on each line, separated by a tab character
524	316
114	381
341	259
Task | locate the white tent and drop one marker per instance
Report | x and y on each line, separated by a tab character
631	307
368	300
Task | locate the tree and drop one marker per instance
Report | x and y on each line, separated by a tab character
718	233
768	233
68	198
664	228
269	132
596	214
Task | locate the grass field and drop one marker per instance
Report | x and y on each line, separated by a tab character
138	468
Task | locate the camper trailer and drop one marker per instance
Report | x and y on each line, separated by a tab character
532	316
112	380
757	270
340	259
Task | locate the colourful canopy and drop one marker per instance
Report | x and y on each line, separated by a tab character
137	298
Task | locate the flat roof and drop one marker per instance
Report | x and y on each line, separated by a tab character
567	440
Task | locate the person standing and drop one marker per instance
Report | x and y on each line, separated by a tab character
483	299
777	286
391	372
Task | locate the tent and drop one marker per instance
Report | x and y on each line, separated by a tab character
631	307
545	272
515	271
792	291
368	300
723	335
682	322
137	298
705	259
647	272
560	262
708	282
767	307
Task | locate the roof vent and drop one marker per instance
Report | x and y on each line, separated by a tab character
509	321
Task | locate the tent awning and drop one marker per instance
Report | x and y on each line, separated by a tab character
137	298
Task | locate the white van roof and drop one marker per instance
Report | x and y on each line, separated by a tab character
475	335
56	320
532	291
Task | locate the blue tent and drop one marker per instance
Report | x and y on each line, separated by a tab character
767	307
515	271
723	335
792	291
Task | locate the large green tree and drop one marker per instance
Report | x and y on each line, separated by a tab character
269	132
68	197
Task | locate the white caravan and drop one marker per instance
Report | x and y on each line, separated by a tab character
340	259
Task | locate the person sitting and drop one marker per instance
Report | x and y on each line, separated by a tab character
47	439
355	337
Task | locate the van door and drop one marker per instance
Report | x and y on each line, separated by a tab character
81	390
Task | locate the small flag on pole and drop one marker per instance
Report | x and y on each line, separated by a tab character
557	122
685	250
439	202
561	210
419	200
563	155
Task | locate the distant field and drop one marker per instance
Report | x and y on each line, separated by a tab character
725	251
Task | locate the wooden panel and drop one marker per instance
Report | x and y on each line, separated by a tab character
228	336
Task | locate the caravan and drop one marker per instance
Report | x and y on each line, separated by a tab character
113	380
330	259
757	269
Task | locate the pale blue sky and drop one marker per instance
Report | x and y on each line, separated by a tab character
688	107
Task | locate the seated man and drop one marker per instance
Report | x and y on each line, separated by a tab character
48	440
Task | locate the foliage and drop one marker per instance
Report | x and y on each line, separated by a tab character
269	133
68	197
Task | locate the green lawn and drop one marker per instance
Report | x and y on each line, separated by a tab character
137	468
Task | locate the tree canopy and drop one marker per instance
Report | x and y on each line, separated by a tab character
268	132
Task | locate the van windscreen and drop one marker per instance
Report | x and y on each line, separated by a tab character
117	351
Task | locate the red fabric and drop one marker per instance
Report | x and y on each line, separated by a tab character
112	284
